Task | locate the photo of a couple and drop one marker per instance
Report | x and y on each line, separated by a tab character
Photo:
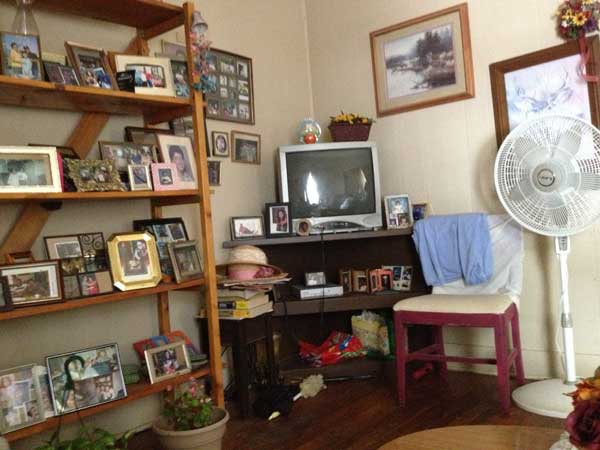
21	56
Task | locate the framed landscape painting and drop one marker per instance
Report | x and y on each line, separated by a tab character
423	62
544	82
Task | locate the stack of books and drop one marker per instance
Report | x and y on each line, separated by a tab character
238	304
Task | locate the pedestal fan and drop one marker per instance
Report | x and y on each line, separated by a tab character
547	175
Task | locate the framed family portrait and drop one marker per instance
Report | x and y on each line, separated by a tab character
139	177
164	231
250	227
178	150
90	175
29	170
134	261
245	147
544	82
220	144
164	177
97	378
91	65
5	299
231	94
278	219
123	154
423	62
398	212
167	361
214	173
153	75
186	260
33	283
21	56
20	399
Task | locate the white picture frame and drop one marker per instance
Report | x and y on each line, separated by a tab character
178	150
398	211
21	181
131	62
158	373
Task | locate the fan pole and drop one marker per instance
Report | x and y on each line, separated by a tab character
563	247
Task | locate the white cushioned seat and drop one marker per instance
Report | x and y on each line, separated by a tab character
458	304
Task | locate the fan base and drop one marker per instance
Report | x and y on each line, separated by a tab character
546	398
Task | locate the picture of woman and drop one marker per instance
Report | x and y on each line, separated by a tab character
20	56
178	157
279	220
89	285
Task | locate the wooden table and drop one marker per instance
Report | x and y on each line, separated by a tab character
483	437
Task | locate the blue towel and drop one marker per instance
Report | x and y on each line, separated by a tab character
454	247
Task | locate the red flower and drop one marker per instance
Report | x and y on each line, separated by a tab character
583	425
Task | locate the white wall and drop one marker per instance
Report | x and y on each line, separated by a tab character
272	33
444	155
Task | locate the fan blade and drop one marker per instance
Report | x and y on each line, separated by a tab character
587	148
521	191
590	182
570	141
560	216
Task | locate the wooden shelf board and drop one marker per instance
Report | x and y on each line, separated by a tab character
134	392
113	297
185	196
134	13
349	302
42	94
319	237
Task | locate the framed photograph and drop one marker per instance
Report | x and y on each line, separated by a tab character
423	62
246	147
220	144
72	266
29	170
63	247
61	74
303	228
164	177
134	261
186	260
139	177
406	279
419	211
20	399
96	374
5	299
21	56
181	79
33	283
396	276
90	175
184	126
214	173
71	287
315	279
398	212
153	76
178	150
19	257
544	82
167	361
142	135
250	227
91	65
63	152
278	219
232	98
123	154
345	280
95	283
164	231
54	57
173	49
360	280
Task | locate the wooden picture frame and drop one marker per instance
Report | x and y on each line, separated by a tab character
157	358
19	70
541	66
214	173
34	283
220	144
245	147
91	77
231	94
440	75
186	260
5	297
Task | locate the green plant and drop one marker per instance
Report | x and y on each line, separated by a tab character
88	439
187	407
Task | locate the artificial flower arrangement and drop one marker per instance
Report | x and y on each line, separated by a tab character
350	127
583	424
578	17
351	118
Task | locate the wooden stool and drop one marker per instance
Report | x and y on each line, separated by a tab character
492	311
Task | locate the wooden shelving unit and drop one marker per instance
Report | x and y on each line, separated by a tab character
150	18
134	392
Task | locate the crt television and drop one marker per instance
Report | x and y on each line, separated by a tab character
335	186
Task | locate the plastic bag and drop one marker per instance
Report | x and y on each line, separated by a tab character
336	347
366	327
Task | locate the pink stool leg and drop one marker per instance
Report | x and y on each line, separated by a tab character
516	341
502	362
400	332
438	339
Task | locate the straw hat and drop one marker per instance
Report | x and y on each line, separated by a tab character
247	262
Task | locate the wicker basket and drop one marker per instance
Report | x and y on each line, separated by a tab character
342	132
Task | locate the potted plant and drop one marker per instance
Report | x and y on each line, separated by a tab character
190	421
88	438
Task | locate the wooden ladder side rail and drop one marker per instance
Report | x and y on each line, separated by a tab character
33	216
208	249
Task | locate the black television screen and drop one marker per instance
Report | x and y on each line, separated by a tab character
327	183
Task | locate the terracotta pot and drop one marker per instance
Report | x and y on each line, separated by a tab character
207	438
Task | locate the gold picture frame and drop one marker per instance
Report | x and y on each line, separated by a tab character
94	175
134	261
423	62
